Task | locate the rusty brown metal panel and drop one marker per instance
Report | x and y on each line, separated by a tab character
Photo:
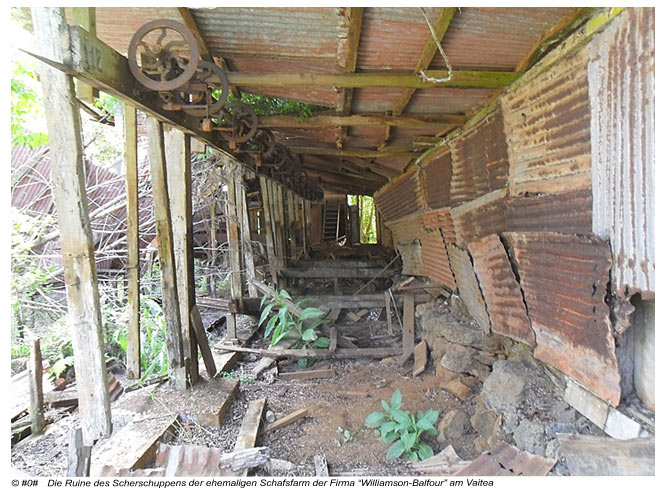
480	160
467	284
564	278
407	233
189	460
498	38
437	177
506	460
547	126
448	100
567	212
480	217
503	297
401	197
622	89
435	259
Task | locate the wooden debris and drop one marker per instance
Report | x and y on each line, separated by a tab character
202	340
408	328
333	315
507	460
288	419
378	352
249	430
333	340
200	461
446	462
310	374
132	447
362	313
457	388
321	465
389	316
354	317
603	456
419	358
214	415
224	362
36	389
78	461
280	465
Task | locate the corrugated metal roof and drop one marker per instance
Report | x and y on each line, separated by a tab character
501	291
407	229
622	95
547	129
400	197
564	278
437	176
506	460
467	284
448	100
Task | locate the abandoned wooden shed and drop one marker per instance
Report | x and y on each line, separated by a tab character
509	152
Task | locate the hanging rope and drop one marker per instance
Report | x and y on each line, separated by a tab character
443	54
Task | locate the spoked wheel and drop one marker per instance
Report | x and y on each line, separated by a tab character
196	97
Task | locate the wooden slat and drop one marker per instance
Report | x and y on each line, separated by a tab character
246	243
289	419
433	121
68	178
389	316
36	390
170	301
267	228
202	340
86	18
373	352
408	335
359	153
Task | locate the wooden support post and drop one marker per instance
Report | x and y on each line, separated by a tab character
133	252
78	458
267	228
212	280
308	228
233	235
279	193
35	371
67	174
389	316
243	220
86	18
408	332
170	301
179	177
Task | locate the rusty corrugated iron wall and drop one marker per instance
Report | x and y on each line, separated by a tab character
622	95
567	212
480	217
437	176
400	198
435	259
467	283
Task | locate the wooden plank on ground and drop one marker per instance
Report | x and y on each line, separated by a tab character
419	358
377	352
333	339
310	374
321	465
78	455
288	419
249	430
408	333
213	416
202	341
132	447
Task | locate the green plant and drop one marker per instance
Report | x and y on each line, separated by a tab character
283	323
403	429
346	434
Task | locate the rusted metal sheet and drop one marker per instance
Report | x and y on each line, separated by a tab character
375	100
507	460
480	160
435	259
440	219
499	38
363	137
31	177
189	460
503	297
400	197
567	212
437	176
448	100
412	258
407	229
622	95
467	284
564	278
480	217
547	126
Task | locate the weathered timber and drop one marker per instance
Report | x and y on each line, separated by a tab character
267	228
341	263
343	272
245	233
234	240
460	78
67	175
224	362
419	358
86	18
373	300
213	416
288	419
354	152
171	303
321	465
310	374
603	456
378	352
249	430
179	179
412	120
202	340
332	347
408	332
389	315
78	455
133	260
36	392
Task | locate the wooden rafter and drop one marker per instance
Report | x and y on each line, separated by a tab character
440	28
344	99
435	121
359	153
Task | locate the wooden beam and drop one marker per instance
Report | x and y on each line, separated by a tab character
359	153
133	258
179	179
170	300
78	455
408	334
202	339
35	373
434	121
67	174
267	228
249	430
376	352
309	374
336	272
461	79
85	17
246	242
289	419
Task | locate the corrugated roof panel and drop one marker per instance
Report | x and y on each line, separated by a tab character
375	100
367	136
548	129
402	136
394	162
448	100
622	95
437	177
564	278
400	197
317	96
435	259
501	290
467	283
289	33
480	217
495	38
567	212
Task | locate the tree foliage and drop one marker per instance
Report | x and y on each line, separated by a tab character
26	104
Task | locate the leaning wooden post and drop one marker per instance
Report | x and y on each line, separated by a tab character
268	228
167	265
243	220
35	372
133	260
68	177
179	177
86	18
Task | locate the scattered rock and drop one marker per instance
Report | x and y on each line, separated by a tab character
445	374
457	388
503	389
559	428
530	436
457	358
453	425
270	416
552	449
457	306
487	423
